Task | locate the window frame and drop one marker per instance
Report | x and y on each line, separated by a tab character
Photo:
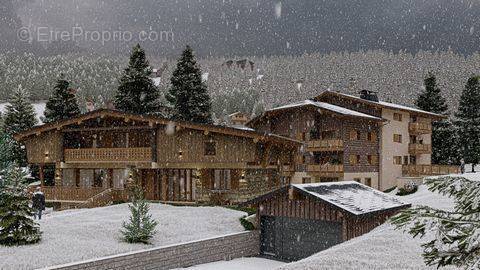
208	151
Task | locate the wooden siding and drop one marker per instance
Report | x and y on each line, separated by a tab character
362	147
38	147
310	208
138	154
187	146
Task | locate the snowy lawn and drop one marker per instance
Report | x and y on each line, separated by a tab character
239	264
75	235
382	248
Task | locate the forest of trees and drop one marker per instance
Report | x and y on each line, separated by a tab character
268	82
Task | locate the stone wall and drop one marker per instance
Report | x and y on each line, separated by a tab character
226	247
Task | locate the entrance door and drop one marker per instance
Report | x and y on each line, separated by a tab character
177	185
293	239
149	184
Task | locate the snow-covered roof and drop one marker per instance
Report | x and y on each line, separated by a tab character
326	106
385	104
351	196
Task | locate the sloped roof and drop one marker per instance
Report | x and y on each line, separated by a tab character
153	119
381	104
328	107
351	196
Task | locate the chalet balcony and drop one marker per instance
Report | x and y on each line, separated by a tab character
139	154
325	145
325	170
70	193
419	149
418	128
288	168
417	170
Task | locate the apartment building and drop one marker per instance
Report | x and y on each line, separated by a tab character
363	139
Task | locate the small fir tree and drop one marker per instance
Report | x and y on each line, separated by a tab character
137	93
63	102
454	234
467	122
431	100
141	225
188	94
19	116
17	226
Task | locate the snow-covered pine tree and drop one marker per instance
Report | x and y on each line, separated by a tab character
456	234
141	225
17	226
467	122
431	100
137	92
188	94
62	104
19	116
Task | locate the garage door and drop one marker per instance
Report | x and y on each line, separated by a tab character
292	239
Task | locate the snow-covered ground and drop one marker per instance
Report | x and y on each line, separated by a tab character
76	235
239	264
382	248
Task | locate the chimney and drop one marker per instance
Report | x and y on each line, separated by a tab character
369	95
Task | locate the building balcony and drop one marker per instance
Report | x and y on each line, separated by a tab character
325	170
288	168
419	149
325	145
140	154
418	128
418	170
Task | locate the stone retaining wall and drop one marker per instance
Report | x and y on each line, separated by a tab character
226	247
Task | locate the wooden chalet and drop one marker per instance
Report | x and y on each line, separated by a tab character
299	220
87	160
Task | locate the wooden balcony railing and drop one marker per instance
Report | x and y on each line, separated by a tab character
415	170
325	145
325	168
419	149
420	128
288	168
70	193
140	154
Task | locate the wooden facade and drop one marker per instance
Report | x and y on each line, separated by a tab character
96	153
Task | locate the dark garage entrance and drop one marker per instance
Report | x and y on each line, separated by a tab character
292	239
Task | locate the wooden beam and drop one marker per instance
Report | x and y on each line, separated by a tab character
105	128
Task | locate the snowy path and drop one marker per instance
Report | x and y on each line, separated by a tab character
383	248
76	235
239	264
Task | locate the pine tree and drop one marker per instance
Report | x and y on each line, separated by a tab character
7	150
431	100
141	226
62	104
467	122
137	92
17	226
455	233
188	94
19	116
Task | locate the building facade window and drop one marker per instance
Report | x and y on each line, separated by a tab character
210	148
354	159
368	181
372	159
358	180
397	160
354	135
222	180
405	160
372	136
397	138
397	117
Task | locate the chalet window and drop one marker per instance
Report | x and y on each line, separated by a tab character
372	136
99	176
222	180
397	117
368	182
372	159
354	135
358	180
397	138
306	180
397	160
413	160
354	159
405	160
210	148
328	134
